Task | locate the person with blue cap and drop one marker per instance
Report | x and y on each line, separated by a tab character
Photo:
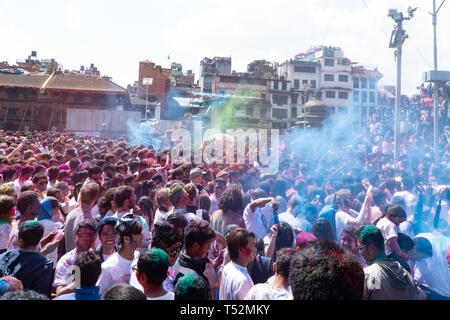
48	216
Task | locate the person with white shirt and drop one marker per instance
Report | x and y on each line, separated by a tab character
254	217
388	225
151	271
117	268
277	286
236	281
84	240
293	217
346	216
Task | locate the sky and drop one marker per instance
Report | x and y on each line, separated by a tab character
116	35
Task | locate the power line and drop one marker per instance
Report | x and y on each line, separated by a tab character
382	30
376	22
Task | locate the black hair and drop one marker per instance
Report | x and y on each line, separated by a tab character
237	239
404	242
163	235
191	287
325	271
285	236
92	170
123	291
198	232
283	261
39	176
86	223
90	267
122	194
31	232
322	229
231	200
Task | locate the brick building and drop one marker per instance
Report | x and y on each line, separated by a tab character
157	91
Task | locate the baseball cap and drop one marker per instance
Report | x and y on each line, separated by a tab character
196	172
125	225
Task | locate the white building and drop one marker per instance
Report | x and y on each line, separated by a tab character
365	97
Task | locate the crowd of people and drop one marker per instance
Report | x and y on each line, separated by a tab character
86	218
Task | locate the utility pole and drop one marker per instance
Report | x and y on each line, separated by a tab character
436	93
147	82
398	36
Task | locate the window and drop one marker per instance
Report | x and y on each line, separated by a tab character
343	78
313	84
296	83
372	83
329	62
293	113
304	81
355	83
329	77
284	85
305	69
263	113
294	98
372	97
249	112
279	99
364	83
364	96
356	96
275	85
343	95
279	113
263	95
330	94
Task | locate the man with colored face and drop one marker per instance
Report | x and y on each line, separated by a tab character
236	281
40	181
385	278
198	237
84	240
125	199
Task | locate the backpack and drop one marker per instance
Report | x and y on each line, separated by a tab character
328	212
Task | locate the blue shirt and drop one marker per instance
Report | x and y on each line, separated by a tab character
89	293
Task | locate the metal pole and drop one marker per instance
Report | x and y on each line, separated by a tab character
398	99
146	104
436	93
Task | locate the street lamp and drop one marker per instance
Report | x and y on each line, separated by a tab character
147	82
398	36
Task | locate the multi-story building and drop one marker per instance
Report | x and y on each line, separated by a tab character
304	79
178	77
209	67
365	97
159	83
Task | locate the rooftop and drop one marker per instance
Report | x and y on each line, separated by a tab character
66	81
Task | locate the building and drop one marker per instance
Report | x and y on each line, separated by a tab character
365	92
158	83
179	78
209	67
304	78
41	101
